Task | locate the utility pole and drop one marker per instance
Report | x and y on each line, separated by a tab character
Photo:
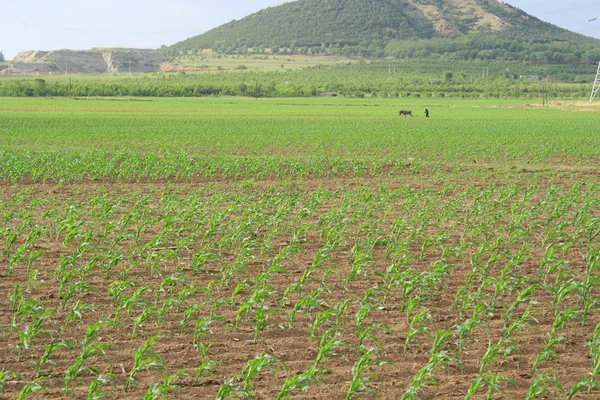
66	68
596	87
543	94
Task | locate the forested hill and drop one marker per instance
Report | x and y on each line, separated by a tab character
339	23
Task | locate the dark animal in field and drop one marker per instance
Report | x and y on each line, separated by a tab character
426	113
404	113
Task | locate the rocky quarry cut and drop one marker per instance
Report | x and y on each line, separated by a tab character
85	62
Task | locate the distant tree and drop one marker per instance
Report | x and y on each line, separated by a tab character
593	56
572	59
2	57
40	87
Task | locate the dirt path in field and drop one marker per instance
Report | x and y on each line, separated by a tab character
572	105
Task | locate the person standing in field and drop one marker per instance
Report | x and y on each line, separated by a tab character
426	113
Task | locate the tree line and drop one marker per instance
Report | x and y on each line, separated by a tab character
377	79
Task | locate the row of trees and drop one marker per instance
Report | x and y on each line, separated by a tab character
497	46
379	79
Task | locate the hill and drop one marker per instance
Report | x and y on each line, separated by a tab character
95	61
367	28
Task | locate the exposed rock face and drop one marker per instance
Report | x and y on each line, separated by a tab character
85	62
21	68
141	61
30	56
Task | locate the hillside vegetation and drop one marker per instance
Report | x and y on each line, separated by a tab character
461	29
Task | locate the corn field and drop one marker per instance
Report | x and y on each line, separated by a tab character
304	248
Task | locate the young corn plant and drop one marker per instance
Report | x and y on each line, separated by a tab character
89	349
116	289
7	376
360	264
548	351
163	388
141	318
426	376
74	314
545	384
363	331
15	296
301	382
261	321
145	359
360	382
417	326
33	331
129	302
321	318
595	359
10	238
306	304
583	384
66	294
188	315
462	331
491	381
331	317
589	287
95	389
307	276
46	360
25	307
243	384
202	329
508	342
207	366
523	297
561	321
327	347
32	387
560	291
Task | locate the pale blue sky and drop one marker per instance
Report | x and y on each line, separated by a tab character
83	24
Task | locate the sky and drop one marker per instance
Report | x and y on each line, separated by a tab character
84	24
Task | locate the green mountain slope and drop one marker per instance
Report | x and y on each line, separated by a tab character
368	27
318	22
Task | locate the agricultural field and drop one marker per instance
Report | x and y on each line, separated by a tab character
319	248
209	61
